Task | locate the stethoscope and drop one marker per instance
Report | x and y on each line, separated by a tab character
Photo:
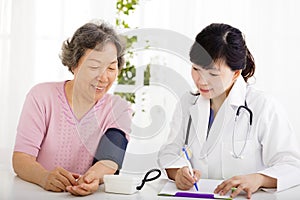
146	179
234	154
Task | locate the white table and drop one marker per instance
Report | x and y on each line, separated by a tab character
13	188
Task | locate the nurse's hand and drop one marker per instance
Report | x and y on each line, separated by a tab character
249	183
184	180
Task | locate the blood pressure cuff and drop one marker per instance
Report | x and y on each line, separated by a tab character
112	146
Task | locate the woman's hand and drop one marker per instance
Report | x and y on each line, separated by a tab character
58	179
87	184
184	180
27	168
249	183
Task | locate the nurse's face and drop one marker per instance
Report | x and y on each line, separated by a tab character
96	72
214	81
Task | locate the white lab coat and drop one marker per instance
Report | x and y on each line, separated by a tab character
272	147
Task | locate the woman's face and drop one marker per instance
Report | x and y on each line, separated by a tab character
96	72
214	81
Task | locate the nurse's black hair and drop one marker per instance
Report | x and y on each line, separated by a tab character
222	42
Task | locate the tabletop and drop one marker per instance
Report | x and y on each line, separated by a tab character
14	188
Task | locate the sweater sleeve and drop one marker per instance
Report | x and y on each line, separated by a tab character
31	127
120	115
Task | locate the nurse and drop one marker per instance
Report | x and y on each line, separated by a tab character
249	156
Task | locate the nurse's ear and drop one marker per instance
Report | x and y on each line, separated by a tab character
236	74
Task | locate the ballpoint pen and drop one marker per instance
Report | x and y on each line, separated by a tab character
189	165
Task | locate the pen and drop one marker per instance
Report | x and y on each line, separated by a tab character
189	165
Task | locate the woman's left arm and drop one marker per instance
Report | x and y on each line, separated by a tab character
108	159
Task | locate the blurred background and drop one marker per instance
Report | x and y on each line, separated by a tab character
32	31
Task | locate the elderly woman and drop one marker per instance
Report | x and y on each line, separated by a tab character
73	132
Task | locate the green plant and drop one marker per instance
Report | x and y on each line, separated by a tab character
125	7
128	73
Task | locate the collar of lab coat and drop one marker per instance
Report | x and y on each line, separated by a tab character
237	95
199	112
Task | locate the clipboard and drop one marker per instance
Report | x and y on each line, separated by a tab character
206	188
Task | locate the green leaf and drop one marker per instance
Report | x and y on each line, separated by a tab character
147	75
130	97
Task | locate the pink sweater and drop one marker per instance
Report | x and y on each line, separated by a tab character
49	131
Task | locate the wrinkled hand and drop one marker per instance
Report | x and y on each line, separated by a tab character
249	183
58	179
87	184
184	180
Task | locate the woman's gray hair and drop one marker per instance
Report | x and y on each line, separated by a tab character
93	35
